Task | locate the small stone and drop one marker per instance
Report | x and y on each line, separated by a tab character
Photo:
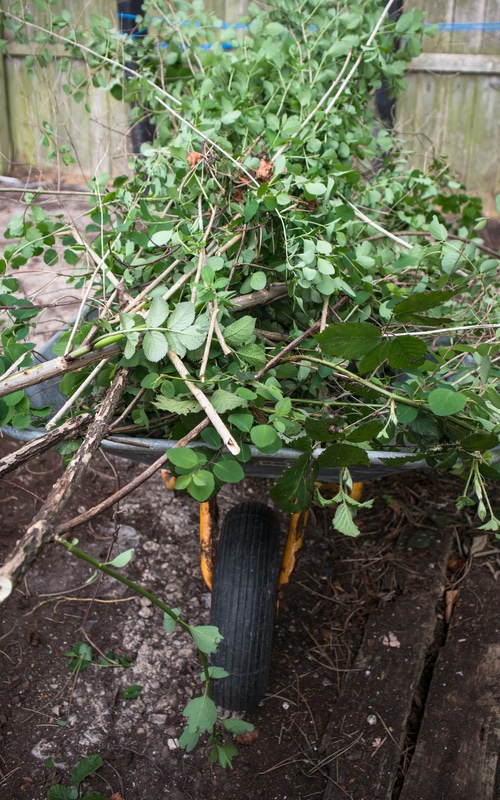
158	719
371	719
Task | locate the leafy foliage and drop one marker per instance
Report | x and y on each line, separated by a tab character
240	227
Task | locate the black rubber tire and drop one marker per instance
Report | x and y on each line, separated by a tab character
243	603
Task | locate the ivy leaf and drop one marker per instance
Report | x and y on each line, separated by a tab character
174	406
349	339
224	401
155	346
294	489
445	402
343	521
206	638
240	332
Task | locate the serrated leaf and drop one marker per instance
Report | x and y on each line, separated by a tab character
201	713
158	313
437	230
349	339
294	489
206	638
181	407
445	402
155	346
406	351
343	455
85	768
343	521
122	559
253	354
237	726
59	793
365	431
422	301
224	401
189	339
374	358
240	332
182	317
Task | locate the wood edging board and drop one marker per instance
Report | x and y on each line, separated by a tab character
460	63
457	752
364	741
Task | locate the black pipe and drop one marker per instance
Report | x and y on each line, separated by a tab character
127	11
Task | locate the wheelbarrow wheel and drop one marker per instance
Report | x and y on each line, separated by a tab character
243	603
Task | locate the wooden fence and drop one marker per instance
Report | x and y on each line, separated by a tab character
451	107
452	104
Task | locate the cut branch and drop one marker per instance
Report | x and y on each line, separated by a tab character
41	530
68	430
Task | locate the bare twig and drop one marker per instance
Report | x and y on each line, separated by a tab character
206	405
66	527
68	430
41	530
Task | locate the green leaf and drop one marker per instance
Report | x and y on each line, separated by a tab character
224	401
201	713
253	354
437	230
237	726
263	436
228	470
161	238
349	339
445	402
189	339
174	406
240	332
169	623
294	489
374	357
188	740
132	692
422	301
122	559
216	673
365	431
181	317
406	351
158	313
59	793
258	280
243	422
206	638
202	485
85	768
316	189
343	455
230	117
155	346
343	521
183	457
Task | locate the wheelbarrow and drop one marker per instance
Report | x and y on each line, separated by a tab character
242	565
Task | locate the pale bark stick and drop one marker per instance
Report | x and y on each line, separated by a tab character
68	430
74	397
41	529
66	527
206	405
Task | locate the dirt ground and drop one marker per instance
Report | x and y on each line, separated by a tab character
51	718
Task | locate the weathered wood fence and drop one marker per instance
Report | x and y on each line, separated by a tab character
451	107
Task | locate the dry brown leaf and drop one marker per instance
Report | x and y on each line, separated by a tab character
116	796
248	738
449	604
455	562
193	158
265	171
478	544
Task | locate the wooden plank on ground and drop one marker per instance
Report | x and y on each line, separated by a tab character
365	737
457	753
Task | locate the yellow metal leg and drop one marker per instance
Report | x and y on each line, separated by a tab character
295	539
209	518
168	479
